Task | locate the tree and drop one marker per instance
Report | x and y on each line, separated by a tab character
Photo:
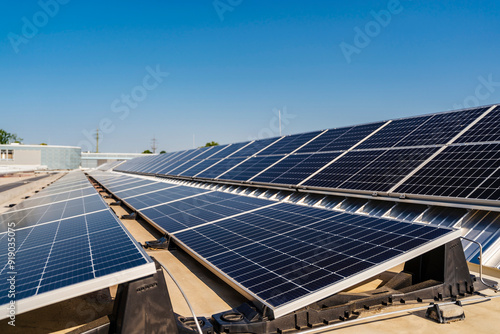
147	152
212	143
43	144
163	152
7	138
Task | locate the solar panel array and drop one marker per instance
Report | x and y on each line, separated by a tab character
282	255
60	244
413	156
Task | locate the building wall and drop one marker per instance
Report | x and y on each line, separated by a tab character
54	157
23	157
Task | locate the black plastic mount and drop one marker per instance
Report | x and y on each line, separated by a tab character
130	216
161	243
143	306
439	274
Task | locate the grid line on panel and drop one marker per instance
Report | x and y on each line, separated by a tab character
457	172
486	130
376	170
268	228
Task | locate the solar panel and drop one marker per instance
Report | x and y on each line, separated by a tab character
467	171
486	130
325	139
163	196
199	167
178	162
441	128
220	167
156	162
377	170
295	168
165	163
288	256
149	188
185	166
128	185
137	163
249	168
161	159
394	132
195	211
340	139
208	153
254	147
228	150
289	143
60	255
58	196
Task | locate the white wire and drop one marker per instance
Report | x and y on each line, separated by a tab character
348	322
185	297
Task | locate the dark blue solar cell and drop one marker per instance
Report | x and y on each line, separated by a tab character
166	195
441	128
61	253
486	130
370	170
199	167
293	251
249	168
458	171
289	144
151	187
221	167
254	148
229	150
394	132
305	167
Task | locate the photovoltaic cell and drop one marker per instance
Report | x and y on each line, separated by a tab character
394	132
165	167
163	196
289	144
194	211
459	171
221	167
441	128
60	245
254	147
284	253
377	170
324	140
340	140
295	168
250	168
152	187
228	150
486	130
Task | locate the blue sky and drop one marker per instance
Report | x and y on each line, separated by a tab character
232	64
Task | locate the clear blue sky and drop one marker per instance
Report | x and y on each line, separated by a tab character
226	76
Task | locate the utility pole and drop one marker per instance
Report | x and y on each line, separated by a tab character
153	144
97	141
193	141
